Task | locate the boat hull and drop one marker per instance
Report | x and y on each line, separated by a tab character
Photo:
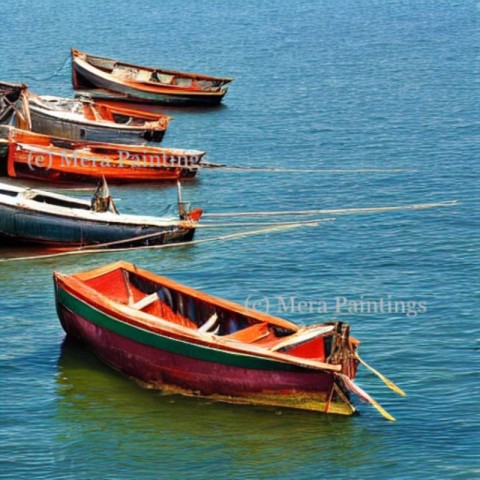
54	126
57	165
84	79
160	360
32	227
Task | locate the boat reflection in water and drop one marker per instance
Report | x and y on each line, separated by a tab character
98	406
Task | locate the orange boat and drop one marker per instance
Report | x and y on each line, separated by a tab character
43	157
146	84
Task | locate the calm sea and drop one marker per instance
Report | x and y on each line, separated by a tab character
387	92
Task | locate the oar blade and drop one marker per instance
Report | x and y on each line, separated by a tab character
382	411
382	377
353	387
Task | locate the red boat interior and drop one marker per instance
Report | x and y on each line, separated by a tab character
204	315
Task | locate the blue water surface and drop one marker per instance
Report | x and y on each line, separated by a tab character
366	104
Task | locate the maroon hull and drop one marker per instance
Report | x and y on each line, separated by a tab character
157	367
172	337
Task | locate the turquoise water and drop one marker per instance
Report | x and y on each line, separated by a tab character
322	85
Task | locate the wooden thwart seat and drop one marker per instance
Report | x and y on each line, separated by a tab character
145	301
251	334
209	324
302	335
150	305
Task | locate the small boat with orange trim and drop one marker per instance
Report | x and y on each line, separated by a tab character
81	118
48	158
92	120
169	336
146	84
38	217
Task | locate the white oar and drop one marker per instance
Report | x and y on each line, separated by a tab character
353	387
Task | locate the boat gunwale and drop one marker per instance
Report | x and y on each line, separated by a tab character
177	333
76	286
149	87
109	218
86	155
77	54
14	132
80	119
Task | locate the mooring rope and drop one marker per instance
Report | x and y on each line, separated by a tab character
260	224
337	211
207	165
57	72
272	227
87	251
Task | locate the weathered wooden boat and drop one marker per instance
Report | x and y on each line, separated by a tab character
79	118
87	119
147	84
169	336
40	217
43	157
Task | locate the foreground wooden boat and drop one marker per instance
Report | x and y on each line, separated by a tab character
40	217
87	119
147	84
47	158
166	335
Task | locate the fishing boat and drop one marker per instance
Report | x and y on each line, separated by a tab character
31	216
87	119
81	118
48	158
169	336
146	84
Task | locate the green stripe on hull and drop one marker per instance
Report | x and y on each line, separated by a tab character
180	347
